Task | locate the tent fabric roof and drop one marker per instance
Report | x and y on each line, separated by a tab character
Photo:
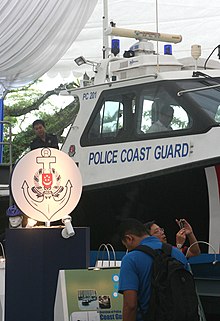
197	21
35	34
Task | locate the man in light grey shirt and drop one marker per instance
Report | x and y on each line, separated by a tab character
164	119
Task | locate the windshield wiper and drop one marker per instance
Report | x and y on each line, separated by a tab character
197	74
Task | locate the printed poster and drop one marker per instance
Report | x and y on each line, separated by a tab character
93	295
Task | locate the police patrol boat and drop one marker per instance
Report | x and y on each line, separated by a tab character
129	170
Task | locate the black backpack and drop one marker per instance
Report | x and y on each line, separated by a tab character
173	296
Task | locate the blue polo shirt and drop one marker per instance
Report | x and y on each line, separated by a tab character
135	271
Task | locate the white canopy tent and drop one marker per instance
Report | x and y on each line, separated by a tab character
35	34
197	21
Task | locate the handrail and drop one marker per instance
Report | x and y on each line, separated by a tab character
113	252
3	251
108	254
182	92
106	248
8	143
203	242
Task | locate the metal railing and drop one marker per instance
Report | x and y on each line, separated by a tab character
9	144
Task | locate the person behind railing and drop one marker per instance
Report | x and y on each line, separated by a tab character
43	139
185	233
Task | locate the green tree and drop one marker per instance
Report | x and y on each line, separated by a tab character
19	104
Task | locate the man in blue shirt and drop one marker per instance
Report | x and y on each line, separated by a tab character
135	272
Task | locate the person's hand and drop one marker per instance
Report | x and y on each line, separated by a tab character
187	226
188	232
180	237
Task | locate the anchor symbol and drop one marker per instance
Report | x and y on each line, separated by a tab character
46	206
48	200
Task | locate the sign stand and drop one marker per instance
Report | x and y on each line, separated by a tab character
88	295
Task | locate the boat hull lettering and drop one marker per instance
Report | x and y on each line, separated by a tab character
139	154
171	151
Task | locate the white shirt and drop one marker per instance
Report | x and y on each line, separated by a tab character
158	127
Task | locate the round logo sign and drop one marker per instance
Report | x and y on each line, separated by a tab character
46	184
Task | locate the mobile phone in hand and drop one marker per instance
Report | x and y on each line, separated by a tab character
181	224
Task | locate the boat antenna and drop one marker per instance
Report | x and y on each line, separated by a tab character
157	30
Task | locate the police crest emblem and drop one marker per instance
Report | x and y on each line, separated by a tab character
50	186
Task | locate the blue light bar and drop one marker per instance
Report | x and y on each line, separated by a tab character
167	49
115	49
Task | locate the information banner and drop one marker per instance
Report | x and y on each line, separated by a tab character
91	295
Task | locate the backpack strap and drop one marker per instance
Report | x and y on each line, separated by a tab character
167	248
146	249
148	315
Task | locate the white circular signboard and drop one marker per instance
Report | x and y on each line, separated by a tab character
46	184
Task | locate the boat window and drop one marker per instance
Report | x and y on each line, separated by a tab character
108	121
208	100
217	115
160	113
113	118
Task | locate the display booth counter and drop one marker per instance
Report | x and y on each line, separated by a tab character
34	258
88	295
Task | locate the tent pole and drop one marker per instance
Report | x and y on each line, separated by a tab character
105	47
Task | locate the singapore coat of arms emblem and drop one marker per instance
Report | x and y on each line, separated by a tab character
49	190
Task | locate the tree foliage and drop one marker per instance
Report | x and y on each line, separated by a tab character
26	103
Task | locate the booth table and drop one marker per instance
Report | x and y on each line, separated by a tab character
33	260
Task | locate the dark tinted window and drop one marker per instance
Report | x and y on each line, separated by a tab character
207	98
160	112
152	110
